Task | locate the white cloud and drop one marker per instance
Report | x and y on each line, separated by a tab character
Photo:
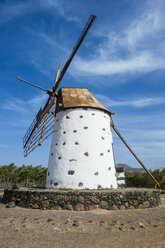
11	10
143	62
140	48
25	107
138	103
64	9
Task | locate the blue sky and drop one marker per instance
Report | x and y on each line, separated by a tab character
121	61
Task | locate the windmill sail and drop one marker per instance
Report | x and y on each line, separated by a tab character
76	47
39	131
43	124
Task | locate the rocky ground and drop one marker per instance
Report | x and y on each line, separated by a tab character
141	228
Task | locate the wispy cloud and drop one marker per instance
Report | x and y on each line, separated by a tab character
11	10
140	48
136	102
64	9
24	107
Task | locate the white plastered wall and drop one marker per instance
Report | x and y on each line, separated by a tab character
120	178
81	154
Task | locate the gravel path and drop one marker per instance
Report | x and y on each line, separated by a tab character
28	228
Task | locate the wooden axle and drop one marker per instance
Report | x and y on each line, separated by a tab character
133	153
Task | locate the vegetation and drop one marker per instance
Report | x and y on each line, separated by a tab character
142	180
28	176
13	176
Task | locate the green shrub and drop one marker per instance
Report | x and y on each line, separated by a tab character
143	180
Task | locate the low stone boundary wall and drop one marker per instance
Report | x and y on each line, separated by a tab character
82	200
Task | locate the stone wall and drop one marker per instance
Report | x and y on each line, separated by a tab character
82	200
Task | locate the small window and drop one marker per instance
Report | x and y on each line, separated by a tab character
48	173
76	143
81	116
80	184
101	154
52	154
64	132
57	120
103	129
67	117
85	127
74	131
86	154
96	173
103	138
55	184
93	114
109	168
64	143
59	158
56	144
108	150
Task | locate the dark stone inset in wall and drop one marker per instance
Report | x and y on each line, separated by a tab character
85	127
70	172
80	184
71	160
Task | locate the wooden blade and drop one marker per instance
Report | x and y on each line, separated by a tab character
39	130
76	47
22	80
58	72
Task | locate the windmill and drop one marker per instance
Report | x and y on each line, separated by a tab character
81	153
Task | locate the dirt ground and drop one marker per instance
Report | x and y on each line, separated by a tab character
28	228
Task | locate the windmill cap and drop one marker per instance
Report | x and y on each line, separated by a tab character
78	98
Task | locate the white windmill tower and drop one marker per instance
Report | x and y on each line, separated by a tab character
81	153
